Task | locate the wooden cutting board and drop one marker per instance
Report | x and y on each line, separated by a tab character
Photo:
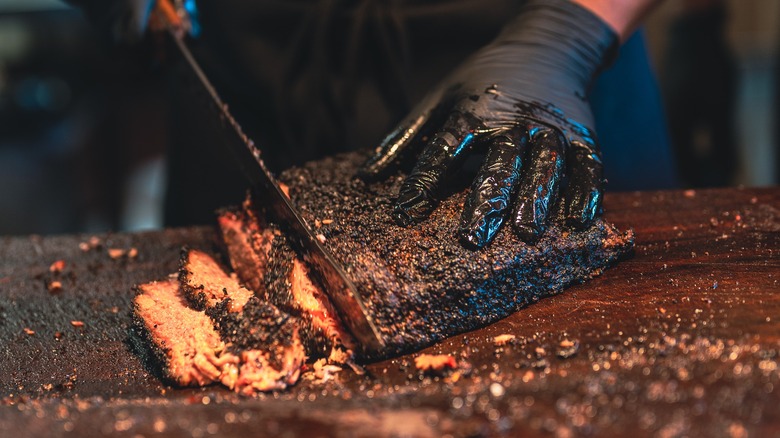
681	339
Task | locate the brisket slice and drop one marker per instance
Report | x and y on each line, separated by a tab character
260	254
205	283
418	283
247	240
183	339
239	340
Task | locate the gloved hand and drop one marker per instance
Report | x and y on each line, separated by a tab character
523	98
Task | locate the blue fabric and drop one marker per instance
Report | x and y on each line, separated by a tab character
630	123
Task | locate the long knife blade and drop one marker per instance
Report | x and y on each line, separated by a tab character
340	289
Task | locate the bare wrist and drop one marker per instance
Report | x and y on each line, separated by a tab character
623	16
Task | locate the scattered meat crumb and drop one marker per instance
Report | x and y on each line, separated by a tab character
324	371
567	349
435	362
55	287
57	267
93	243
714	221
321	238
29	331
504	339
58	335
77	324
116	253
327	221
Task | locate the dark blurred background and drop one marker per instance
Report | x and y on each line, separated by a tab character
83	123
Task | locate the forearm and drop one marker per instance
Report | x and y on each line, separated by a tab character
623	16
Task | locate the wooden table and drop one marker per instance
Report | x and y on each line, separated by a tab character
681	339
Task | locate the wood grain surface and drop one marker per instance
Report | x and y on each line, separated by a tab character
683	339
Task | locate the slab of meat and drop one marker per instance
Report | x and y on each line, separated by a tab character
419	284
183	339
239	340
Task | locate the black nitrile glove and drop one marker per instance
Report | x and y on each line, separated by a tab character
523	98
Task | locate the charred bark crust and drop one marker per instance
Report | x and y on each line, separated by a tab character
419	283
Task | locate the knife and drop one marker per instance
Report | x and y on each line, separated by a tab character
340	289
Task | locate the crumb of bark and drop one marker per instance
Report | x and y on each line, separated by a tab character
567	349
435	362
55	287
92	243
504	339
57	267
121	253
323	371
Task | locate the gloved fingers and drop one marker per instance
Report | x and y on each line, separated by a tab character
493	190
582	199
403	141
418	195
540	183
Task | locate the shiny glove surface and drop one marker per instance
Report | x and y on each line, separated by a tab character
521	100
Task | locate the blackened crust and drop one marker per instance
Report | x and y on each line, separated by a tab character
419	283
260	325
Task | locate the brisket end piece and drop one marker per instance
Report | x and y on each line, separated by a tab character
239	341
182	339
419	284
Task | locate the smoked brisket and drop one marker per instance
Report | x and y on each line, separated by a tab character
205	328
252	330
418	283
